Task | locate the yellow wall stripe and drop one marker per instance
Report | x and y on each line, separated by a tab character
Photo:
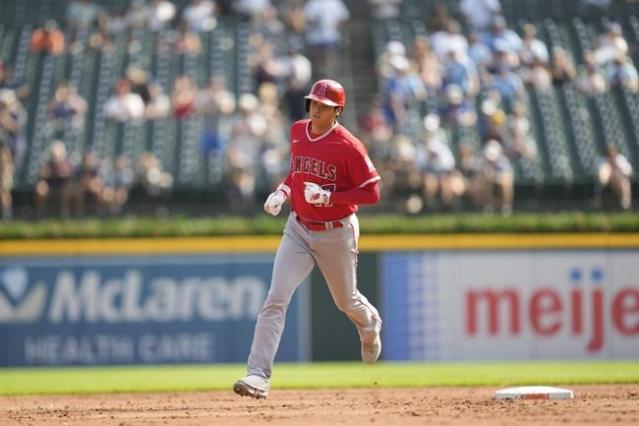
267	244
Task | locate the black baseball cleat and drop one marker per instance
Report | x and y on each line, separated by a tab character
254	386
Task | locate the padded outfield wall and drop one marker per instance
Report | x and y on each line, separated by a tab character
449	297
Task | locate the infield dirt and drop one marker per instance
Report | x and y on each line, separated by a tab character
593	405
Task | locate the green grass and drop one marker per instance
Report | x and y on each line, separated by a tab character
263	224
81	380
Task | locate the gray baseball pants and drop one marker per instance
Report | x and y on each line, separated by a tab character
335	253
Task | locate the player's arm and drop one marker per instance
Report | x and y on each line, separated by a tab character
368	194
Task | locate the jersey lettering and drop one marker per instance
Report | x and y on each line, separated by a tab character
313	166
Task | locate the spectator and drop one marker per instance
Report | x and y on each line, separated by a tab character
102	41
117	183
502	57
138	79
614	172
292	12
151	180
13	119
199	15
480	13
183	97
519	142
54	181
621	72
492	121
385	9
275	135
591	81
297	71
66	108
458	109
438	17
537	75
82	14
402	93
611	44
275	153
479	53
216	104
186	42
114	21
376	132
499	37
137	15
427	65
87	184
324	19
123	105
394	48
532	49
499	177
451	39
160	15
472	178
7	170
403	176
252	9
159	105
268	25
437	164
48	39
264	65
563	70
507	83
461	72
245	145
8	80
247	134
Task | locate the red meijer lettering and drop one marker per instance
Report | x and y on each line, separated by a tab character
548	312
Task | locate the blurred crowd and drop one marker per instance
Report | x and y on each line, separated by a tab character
473	74
461	74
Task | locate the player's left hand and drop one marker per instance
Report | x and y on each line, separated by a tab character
314	194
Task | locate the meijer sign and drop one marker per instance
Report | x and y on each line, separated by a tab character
543	304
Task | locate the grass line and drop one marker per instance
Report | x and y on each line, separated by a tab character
86	380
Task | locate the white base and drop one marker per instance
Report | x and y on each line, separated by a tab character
533	392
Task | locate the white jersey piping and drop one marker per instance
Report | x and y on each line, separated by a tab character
371	180
308	134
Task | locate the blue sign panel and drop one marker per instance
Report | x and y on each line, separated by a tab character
139	309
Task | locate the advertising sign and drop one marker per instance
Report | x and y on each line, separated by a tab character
140	309
571	304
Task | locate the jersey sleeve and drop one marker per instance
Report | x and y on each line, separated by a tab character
360	167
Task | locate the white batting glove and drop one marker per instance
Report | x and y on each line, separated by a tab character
273	204
314	194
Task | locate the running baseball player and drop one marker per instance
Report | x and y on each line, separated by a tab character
330	175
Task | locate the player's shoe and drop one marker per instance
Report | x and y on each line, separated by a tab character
252	385
372	349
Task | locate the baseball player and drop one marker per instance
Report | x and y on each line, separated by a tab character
330	175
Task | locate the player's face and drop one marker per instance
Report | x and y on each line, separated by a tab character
322	116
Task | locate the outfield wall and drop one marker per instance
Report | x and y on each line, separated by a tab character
138	309
456	297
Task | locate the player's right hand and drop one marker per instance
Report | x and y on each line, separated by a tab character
273	204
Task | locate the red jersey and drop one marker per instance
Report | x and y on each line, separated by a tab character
335	160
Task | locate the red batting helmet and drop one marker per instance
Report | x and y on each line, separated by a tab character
328	92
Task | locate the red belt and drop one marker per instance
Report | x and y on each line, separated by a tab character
314	225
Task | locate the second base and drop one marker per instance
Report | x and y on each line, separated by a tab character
533	392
